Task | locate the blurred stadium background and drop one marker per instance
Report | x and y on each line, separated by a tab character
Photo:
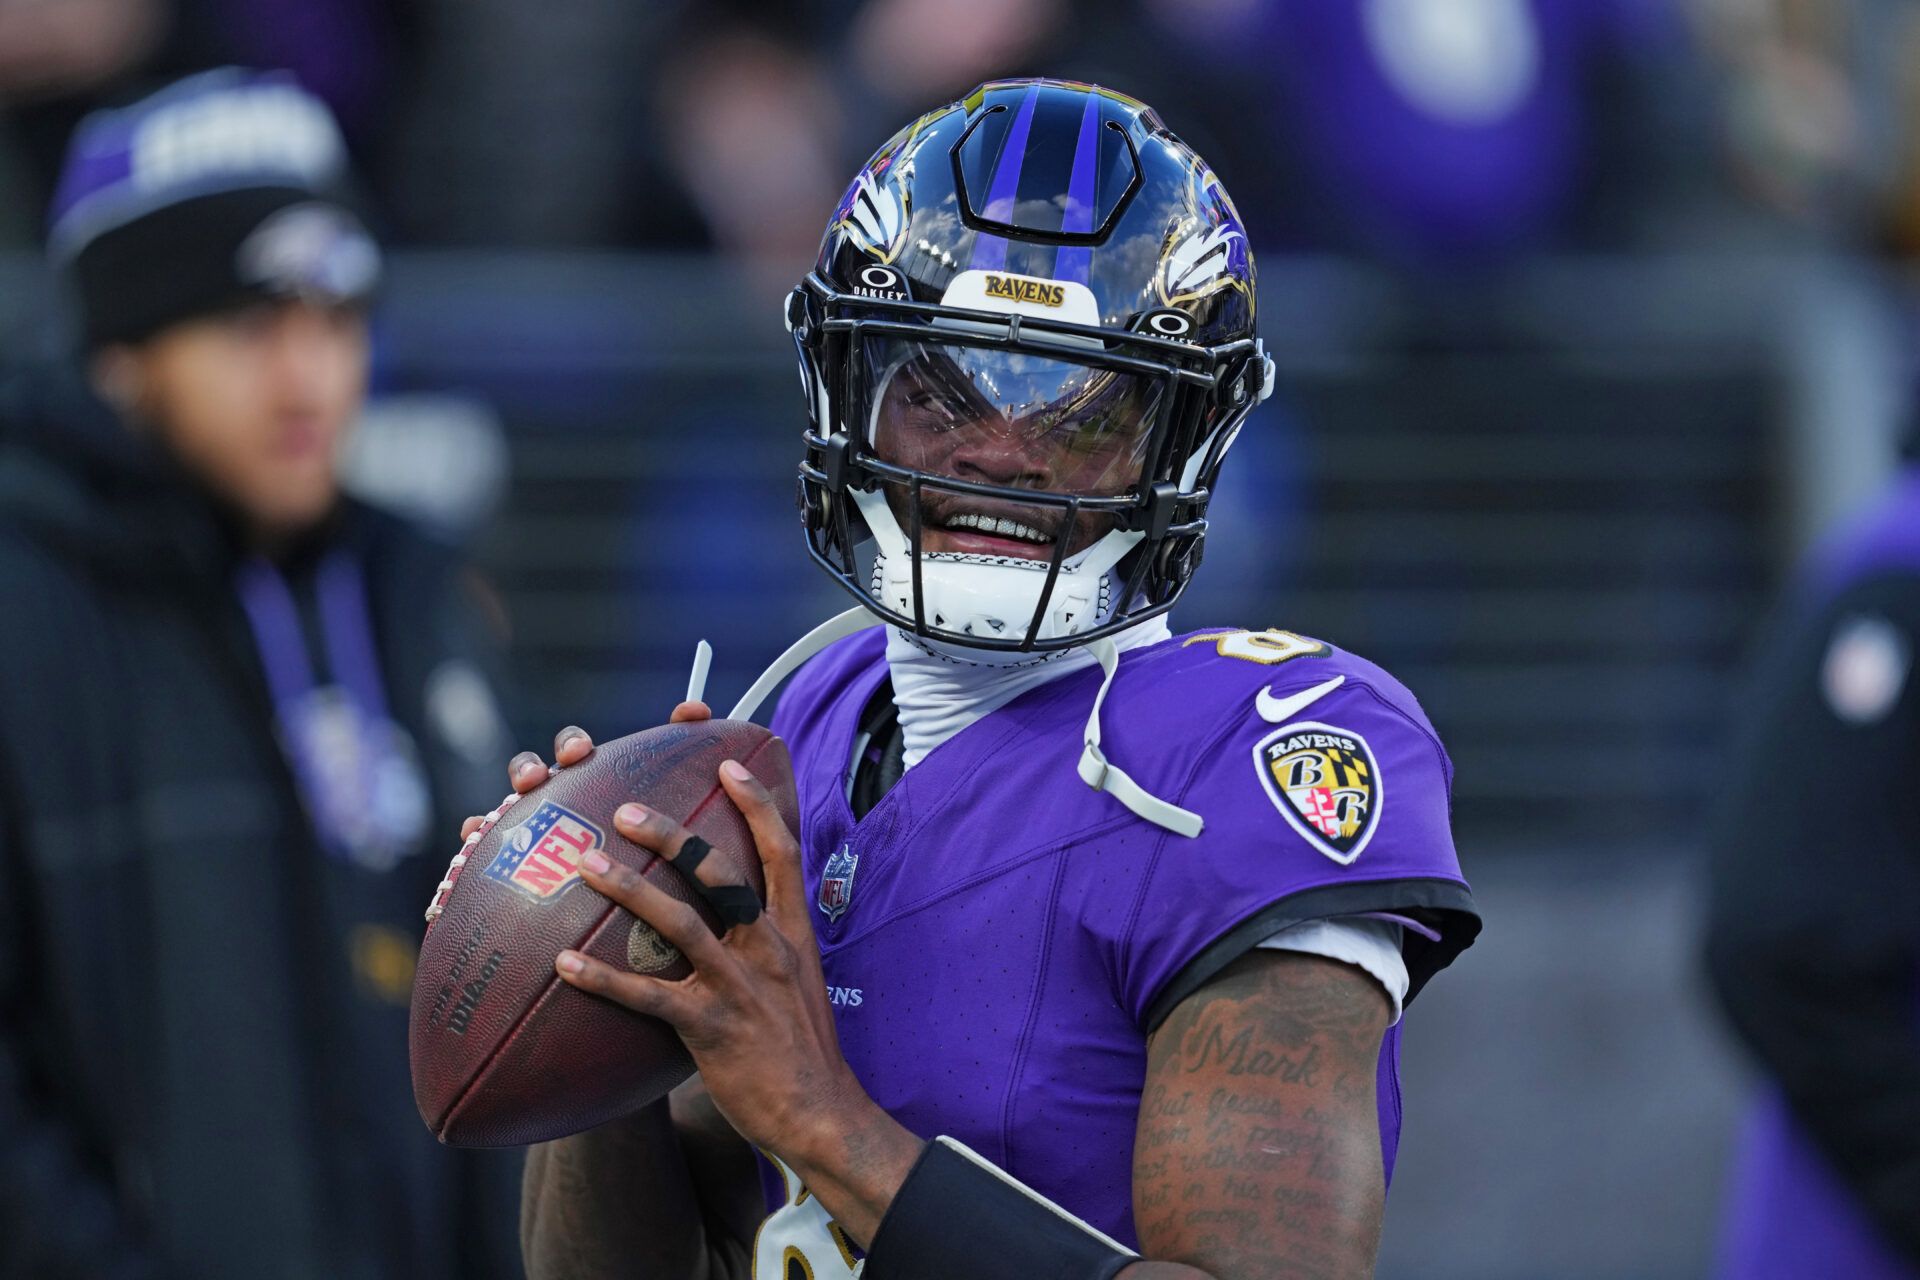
1590	311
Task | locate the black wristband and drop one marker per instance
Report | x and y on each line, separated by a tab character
957	1217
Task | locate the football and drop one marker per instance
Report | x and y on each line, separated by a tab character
503	1052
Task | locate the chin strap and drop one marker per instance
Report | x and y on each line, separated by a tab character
1095	769
1103	775
838	627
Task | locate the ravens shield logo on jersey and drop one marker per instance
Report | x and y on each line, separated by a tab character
1325	782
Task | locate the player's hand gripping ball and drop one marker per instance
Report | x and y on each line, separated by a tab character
504	1052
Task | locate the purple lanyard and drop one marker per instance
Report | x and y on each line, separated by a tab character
347	632
345	628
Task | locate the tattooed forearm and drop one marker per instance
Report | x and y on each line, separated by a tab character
858	1167
1258	1148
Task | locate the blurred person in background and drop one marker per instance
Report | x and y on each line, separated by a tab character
1427	135
59	59
1814	926
1819	113
232	705
518	128
762	101
1436	137
1794	126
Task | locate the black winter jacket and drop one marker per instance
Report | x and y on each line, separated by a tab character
203	1016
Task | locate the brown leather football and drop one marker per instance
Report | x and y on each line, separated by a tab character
504	1053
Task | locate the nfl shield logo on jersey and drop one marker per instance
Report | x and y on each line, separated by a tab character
541	856
1325	782
836	883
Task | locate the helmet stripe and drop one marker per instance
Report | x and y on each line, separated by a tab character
1075	261
990	251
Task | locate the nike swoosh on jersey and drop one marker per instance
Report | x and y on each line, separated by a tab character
1279	710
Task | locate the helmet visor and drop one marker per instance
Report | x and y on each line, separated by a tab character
1011	419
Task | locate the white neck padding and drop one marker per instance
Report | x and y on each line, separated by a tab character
940	689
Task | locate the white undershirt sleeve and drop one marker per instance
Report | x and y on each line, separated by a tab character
1370	945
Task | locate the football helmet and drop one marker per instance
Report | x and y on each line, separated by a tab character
1026	347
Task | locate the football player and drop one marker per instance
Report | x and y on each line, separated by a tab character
1094	941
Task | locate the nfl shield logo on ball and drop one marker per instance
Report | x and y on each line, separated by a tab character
541	856
836	883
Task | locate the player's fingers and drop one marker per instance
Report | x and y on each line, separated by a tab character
571	745
471	825
673	919
690	711
527	771
779	851
651	996
733	901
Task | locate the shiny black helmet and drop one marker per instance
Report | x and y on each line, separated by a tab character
1026	347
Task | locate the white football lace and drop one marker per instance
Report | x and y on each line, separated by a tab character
440	891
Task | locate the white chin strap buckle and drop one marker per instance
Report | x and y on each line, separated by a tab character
1103	774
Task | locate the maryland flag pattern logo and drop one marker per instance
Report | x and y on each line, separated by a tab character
1325	782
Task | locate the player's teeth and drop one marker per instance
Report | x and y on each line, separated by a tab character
999	527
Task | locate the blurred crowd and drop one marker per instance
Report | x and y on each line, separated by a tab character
1430	134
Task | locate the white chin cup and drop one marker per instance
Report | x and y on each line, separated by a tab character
992	597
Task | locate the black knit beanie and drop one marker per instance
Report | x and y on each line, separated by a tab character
221	188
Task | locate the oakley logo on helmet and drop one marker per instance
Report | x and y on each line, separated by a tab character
879	282
1168	324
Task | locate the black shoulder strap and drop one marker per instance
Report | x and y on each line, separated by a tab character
880	747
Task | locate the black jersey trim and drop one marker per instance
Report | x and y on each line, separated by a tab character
1452	902
879	724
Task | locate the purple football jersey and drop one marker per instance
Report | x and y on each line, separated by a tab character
999	938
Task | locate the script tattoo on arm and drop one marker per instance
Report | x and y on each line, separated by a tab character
1258	1147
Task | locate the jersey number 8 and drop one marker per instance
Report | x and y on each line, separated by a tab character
799	1241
